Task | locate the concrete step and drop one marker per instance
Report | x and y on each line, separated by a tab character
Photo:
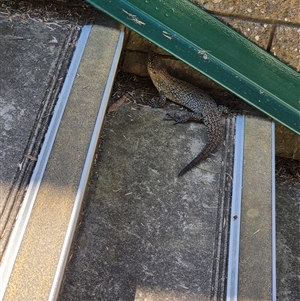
147	235
36	255
252	251
143	227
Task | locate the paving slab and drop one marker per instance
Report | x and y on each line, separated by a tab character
142	226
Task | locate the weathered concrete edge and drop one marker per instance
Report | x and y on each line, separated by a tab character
85	170
28	202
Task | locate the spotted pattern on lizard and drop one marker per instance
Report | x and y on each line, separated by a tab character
202	106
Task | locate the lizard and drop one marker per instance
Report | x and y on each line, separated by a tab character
202	106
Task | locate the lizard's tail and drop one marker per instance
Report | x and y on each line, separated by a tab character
207	150
203	155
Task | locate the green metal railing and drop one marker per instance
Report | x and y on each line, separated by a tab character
211	47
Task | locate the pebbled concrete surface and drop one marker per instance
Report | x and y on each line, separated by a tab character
286	45
275	10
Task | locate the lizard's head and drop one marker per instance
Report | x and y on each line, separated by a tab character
155	64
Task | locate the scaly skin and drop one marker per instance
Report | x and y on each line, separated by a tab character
203	106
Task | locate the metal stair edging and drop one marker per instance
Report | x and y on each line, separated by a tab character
36	179
235	222
22	272
86	171
214	49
